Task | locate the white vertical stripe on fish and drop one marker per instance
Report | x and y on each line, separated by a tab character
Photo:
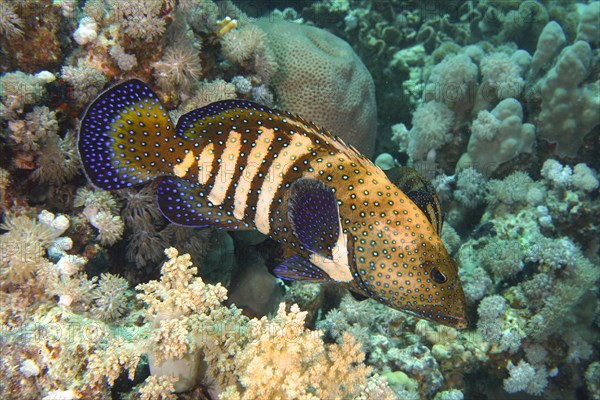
299	146
253	162
205	162
226	172
183	167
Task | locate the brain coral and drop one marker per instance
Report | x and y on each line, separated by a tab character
321	78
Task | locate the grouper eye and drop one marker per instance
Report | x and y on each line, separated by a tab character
438	276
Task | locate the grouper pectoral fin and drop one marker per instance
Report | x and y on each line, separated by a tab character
313	215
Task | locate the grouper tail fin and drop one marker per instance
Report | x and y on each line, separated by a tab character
127	137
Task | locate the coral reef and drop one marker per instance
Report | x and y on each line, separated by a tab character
496	101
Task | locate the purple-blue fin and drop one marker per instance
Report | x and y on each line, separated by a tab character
125	136
185	203
313	215
298	268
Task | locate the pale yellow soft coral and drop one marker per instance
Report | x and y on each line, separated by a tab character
179	292
195	338
187	319
107	364
286	361
80	354
157	388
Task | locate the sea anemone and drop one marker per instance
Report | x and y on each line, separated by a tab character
146	247
85	81
100	200
70	289
240	44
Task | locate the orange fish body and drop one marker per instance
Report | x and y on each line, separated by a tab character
240	165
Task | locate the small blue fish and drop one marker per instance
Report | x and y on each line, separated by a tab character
240	165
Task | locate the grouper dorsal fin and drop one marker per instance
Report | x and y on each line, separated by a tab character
222	117
420	191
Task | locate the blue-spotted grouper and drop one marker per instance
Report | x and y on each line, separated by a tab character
240	165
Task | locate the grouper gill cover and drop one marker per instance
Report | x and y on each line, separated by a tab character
240	165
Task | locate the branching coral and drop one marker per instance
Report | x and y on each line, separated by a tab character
498	136
569	105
